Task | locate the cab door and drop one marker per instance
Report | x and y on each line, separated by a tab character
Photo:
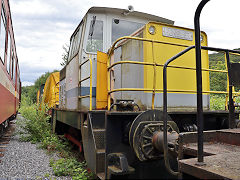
94	40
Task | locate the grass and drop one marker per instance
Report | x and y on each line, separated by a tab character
217	102
37	129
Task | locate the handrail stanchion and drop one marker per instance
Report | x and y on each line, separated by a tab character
165	144
199	80
154	78
231	119
90	91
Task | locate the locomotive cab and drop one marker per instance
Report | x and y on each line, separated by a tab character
98	30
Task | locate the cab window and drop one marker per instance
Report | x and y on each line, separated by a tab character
122	28
95	36
75	43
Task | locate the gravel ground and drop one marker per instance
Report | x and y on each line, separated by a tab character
24	160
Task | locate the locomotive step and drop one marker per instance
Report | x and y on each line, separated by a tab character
100	159
99	135
101	175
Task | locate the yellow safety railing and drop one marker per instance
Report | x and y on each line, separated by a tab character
86	78
154	64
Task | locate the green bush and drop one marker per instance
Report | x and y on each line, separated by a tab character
217	102
70	167
36	128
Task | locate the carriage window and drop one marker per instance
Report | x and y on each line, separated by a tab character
123	28
13	62
2	34
8	54
18	80
14	71
95	36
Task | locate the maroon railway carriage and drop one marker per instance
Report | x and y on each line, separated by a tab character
10	84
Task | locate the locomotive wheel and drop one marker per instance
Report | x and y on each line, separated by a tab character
140	140
149	115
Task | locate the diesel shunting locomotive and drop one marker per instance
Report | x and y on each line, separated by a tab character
130	110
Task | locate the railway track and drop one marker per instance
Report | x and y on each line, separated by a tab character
6	137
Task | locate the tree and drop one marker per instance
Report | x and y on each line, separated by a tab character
65	55
218	81
31	91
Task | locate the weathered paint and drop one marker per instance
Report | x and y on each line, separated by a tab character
7	108
101	90
51	90
177	78
139	76
72	80
62	93
71	118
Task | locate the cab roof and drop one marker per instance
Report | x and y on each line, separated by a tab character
124	12
107	10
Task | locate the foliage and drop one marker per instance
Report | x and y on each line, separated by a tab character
31	91
217	102
70	167
37	129
218	81
65	55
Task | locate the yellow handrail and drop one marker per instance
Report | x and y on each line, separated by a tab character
171	90
154	77
89	77
170	66
140	39
154	64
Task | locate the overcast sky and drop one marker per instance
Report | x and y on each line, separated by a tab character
42	27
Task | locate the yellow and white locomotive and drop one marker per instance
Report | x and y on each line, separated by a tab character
111	91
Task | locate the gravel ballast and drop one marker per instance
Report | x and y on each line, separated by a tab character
23	160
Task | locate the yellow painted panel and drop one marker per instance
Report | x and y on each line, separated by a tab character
178	79
101	89
51	90
38	95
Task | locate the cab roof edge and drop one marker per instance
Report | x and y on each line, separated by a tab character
133	13
150	17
